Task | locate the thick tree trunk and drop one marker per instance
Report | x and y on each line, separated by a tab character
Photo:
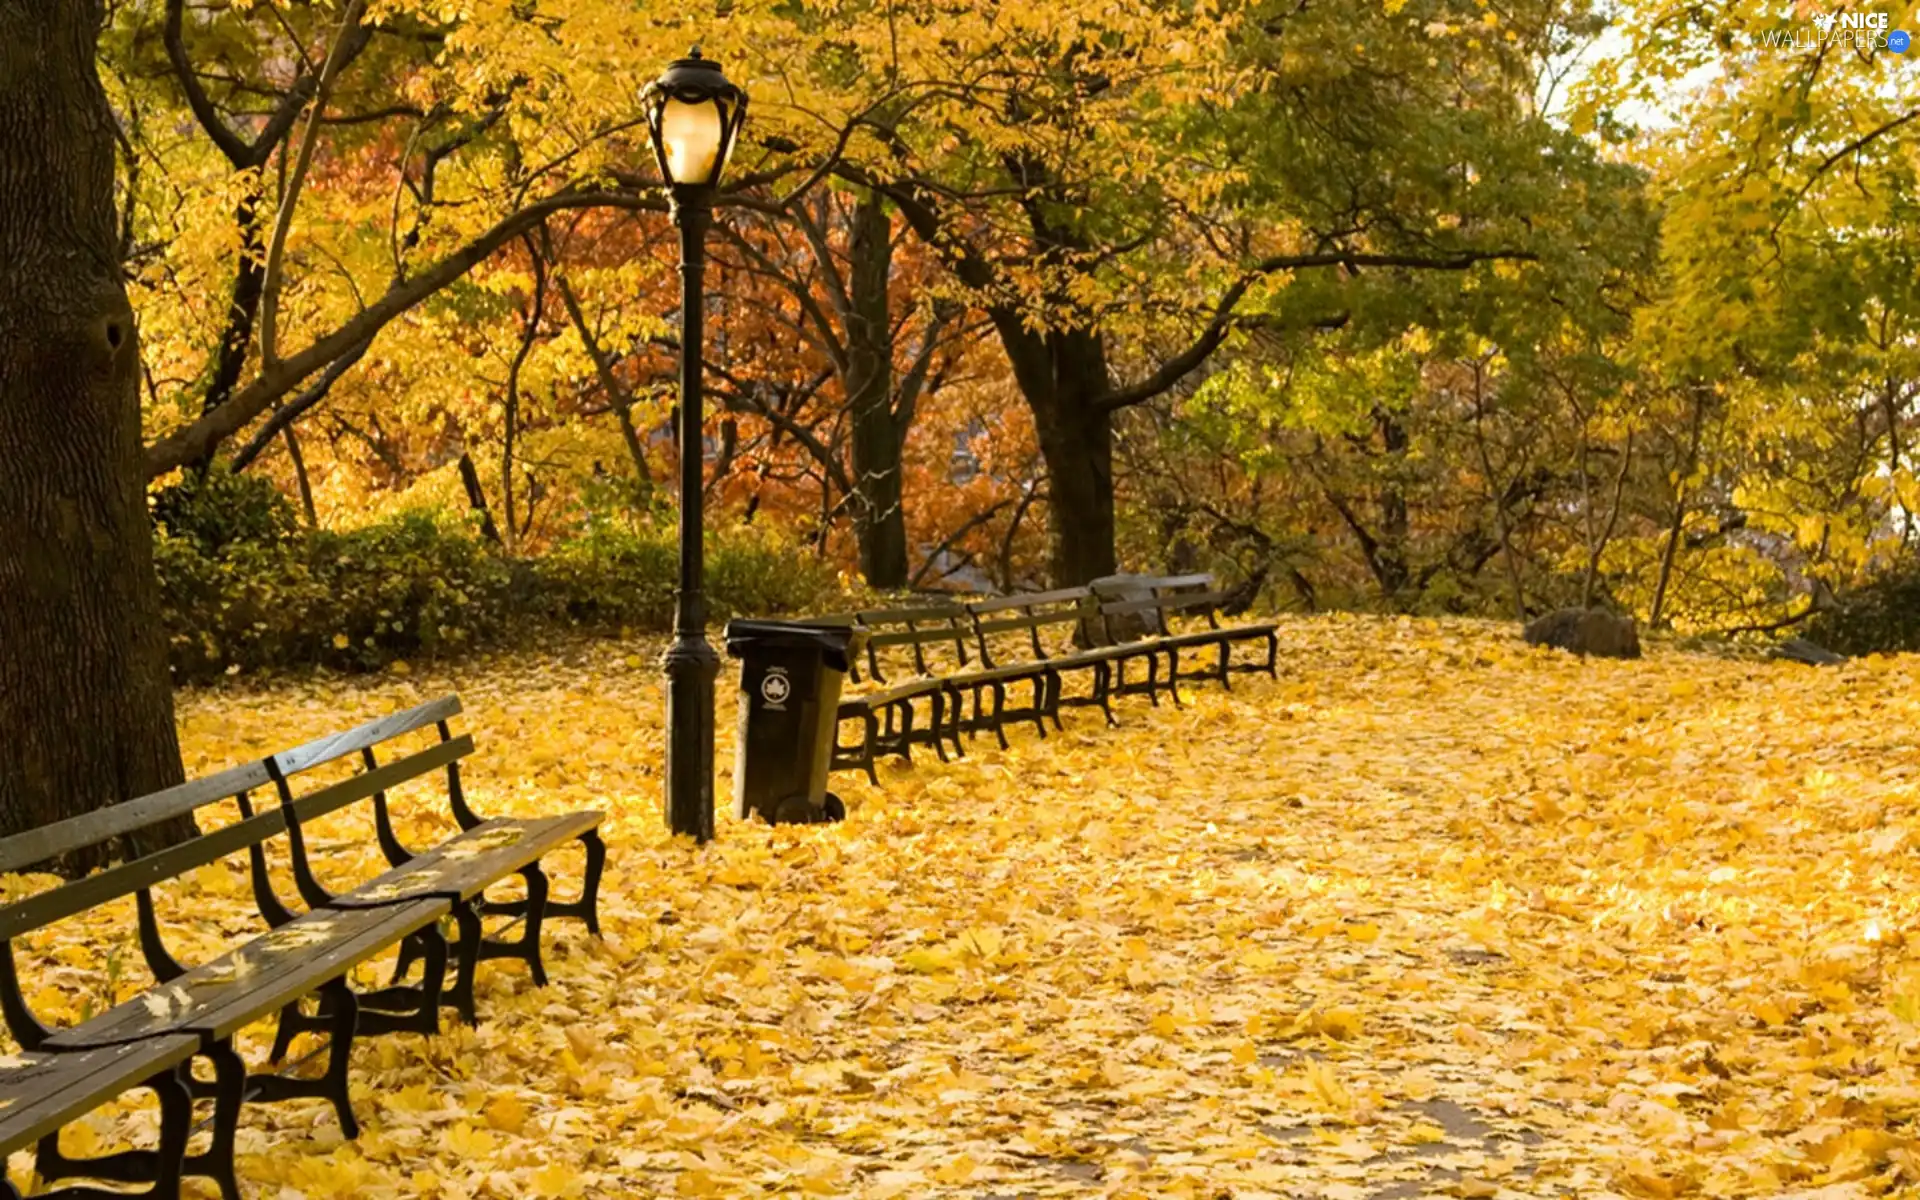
879	515
86	708
1064	376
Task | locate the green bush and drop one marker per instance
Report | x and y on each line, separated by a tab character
248	591
415	585
623	578
1881	617
221	509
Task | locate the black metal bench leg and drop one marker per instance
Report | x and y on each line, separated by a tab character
407	1007
870	747
292	1024
1000	714
1103	692
403	961
937	732
160	1168
537	892
466	950
1226	667
346	1018
587	907
1173	677
527	947
230	1089
956	726
1273	655
341	1009
1056	684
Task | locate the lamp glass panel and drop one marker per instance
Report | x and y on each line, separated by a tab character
690	134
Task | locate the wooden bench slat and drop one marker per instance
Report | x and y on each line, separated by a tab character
1002	603
912	689
926	612
1032	621
1149	604
918	637
35	846
39	1093
62	837
256	979
472	862
126	878
338	745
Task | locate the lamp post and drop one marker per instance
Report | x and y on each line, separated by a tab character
694	116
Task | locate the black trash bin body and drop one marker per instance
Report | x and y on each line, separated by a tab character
790	678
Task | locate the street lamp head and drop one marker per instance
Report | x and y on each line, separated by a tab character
694	116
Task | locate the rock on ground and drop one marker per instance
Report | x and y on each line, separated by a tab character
1585	631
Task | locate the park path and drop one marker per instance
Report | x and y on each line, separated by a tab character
1432	914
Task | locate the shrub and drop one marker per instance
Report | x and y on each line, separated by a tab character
220	509
414	585
258	594
614	577
1882	616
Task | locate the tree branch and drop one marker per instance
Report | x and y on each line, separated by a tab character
277	379
1180	365
284	416
277	245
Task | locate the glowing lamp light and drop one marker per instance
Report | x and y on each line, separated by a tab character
694	117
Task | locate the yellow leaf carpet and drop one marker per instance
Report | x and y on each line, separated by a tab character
1432	915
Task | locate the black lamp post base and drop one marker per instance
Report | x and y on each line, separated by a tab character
692	666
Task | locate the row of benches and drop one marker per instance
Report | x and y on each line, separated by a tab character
298	970
958	662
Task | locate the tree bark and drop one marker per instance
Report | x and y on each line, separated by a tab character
879	514
1656	615
1063	376
477	498
86	704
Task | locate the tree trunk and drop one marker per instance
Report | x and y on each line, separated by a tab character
86	706
1076	439
1391	568
477	499
1656	615
879	516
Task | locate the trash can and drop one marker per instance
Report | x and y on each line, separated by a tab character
790	677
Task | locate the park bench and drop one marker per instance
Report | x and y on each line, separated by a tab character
938	670
304	957
1161	600
1009	639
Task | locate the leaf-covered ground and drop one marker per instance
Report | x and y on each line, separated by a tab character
1433	914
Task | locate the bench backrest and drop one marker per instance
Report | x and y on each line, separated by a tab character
921	635
137	876
1167	595
1013	624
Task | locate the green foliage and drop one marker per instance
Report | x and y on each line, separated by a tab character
615	577
412	586
218	509
422	585
1881	617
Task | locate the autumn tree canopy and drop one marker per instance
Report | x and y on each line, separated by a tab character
1422	305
